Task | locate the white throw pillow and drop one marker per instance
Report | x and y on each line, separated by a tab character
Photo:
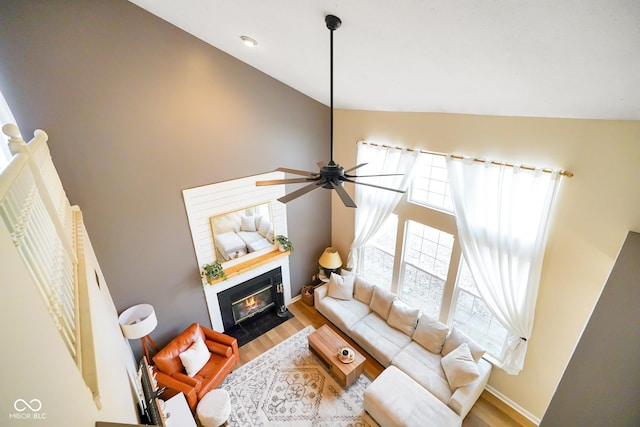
258	221
341	287
363	290
195	357
381	301
247	223
459	367
456	338
430	333
403	317
265	226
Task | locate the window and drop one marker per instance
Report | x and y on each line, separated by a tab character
430	186
427	252
427	270
473	317
377	263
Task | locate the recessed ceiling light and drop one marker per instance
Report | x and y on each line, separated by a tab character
248	41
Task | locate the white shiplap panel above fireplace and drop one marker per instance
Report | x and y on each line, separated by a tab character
214	199
202	203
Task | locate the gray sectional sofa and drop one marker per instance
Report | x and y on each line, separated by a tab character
433	375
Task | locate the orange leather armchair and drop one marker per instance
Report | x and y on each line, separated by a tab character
171	373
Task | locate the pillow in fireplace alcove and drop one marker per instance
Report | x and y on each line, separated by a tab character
341	287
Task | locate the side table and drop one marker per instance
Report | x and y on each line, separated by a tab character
179	414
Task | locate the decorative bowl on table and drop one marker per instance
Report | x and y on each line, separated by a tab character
346	355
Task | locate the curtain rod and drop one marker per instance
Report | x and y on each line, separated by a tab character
566	173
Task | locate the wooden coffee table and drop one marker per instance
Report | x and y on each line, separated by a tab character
325	343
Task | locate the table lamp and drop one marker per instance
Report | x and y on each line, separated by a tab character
138	322
330	261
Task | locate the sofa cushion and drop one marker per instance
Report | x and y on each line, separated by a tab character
342	313
363	290
379	339
341	287
457	337
430	333
425	368
403	317
394	399
381	301
459	367
195	357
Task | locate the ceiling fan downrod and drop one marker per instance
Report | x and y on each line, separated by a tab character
330	175
333	23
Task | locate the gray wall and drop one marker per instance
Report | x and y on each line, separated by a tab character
601	385
138	110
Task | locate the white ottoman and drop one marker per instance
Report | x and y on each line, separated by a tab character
394	399
214	408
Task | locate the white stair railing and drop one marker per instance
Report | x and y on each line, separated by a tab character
44	228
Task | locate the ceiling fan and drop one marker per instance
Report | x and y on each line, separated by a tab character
330	175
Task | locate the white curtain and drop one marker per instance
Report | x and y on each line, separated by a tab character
375	205
502	215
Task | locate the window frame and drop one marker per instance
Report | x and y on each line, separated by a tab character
437	218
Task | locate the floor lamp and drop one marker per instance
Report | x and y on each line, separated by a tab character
138	322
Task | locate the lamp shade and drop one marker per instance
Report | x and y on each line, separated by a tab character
330	259
138	321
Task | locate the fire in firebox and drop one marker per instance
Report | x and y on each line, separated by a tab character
252	304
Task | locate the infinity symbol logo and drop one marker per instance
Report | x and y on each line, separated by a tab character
21	405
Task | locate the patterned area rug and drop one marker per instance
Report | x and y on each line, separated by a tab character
289	386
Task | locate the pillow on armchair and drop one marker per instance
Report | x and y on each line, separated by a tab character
184	353
195	357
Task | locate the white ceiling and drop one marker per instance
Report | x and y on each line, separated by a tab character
544	58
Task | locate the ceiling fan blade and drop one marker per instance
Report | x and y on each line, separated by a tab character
355	167
346	199
297	172
376	186
371	176
286	181
301	192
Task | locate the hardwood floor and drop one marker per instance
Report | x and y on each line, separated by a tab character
487	411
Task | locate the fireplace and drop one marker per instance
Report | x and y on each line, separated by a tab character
253	304
249	302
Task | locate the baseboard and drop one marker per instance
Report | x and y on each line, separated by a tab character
296	298
510	408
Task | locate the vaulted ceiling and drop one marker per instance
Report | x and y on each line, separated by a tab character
543	58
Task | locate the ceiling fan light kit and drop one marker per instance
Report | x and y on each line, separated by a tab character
331	175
